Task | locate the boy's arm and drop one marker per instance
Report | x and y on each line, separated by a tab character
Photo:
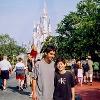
73	85
73	93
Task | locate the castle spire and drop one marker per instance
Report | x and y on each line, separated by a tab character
45	13
42	29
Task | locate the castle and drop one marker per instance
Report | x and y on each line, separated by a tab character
42	30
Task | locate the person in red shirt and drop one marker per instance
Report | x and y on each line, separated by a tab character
33	55
33	52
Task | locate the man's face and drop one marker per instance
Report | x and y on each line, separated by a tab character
50	55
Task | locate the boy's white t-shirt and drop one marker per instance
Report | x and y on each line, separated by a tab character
20	65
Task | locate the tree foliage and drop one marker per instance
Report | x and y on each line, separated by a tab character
80	30
9	47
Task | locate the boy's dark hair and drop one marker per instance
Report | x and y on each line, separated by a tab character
20	59
60	59
49	48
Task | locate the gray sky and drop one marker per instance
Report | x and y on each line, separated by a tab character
17	17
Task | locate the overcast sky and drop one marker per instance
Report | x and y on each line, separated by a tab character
17	17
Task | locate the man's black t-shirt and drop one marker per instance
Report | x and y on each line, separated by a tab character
63	84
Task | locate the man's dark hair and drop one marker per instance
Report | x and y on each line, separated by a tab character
49	48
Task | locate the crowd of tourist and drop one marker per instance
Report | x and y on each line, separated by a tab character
49	80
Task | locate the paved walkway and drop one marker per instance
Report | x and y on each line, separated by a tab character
89	92
12	92
86	91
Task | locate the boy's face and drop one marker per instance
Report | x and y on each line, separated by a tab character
61	66
50	56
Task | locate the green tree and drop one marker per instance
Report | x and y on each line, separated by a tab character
9	47
81	29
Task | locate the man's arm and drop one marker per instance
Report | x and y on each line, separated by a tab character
34	82
73	93
34	94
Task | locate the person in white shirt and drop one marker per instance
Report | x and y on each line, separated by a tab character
6	69
80	73
20	73
90	72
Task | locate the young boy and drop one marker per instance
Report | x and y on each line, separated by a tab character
20	73
43	76
64	82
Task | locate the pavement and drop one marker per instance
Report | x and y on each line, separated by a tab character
89	92
12	93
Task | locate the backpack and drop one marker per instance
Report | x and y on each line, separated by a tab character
85	66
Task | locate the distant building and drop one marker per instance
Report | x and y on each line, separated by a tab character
41	30
28	47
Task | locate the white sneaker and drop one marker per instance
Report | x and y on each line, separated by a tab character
4	89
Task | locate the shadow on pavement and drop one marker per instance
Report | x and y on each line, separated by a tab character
15	89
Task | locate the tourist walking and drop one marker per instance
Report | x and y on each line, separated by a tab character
30	65
6	69
30	68
85	67
20	73
80	73
90	72
43	76
1	58
96	69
